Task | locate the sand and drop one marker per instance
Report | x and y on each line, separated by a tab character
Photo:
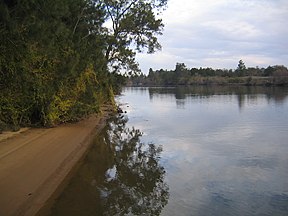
34	162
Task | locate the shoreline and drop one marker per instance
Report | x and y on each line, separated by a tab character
257	81
36	164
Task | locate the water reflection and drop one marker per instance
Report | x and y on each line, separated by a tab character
120	176
218	161
242	93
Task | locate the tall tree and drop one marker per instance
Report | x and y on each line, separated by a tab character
241	65
133	27
50	55
55	55
241	68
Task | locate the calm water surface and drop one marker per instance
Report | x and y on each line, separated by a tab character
187	151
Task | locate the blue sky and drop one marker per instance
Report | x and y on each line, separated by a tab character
218	33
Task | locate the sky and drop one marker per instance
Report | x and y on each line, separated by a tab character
218	33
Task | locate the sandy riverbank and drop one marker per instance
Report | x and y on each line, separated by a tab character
35	162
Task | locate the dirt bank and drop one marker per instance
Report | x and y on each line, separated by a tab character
35	162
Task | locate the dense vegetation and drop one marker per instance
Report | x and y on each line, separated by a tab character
60	59
181	75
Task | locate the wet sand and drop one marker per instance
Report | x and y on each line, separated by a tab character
35	162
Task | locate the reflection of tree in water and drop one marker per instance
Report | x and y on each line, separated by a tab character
136	185
243	93
128	180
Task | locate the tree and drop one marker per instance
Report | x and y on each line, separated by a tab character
241	68
134	27
241	65
52	66
180	67
269	71
55	56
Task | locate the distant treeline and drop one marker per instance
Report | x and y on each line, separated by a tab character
181	75
60	62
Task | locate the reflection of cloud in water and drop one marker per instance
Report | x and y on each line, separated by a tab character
263	163
219	161
231	134
111	173
226	199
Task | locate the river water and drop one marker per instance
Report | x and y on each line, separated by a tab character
187	151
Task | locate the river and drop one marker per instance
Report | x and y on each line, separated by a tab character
187	151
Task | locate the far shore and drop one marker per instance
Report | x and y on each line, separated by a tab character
35	163
213	81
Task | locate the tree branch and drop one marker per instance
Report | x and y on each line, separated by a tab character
125	10
79	18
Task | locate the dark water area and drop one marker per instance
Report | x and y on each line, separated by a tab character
187	151
120	176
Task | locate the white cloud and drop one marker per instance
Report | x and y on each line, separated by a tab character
233	29
217	34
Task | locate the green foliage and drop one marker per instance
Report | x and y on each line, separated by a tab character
134	24
241	69
181	75
53	56
56	56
